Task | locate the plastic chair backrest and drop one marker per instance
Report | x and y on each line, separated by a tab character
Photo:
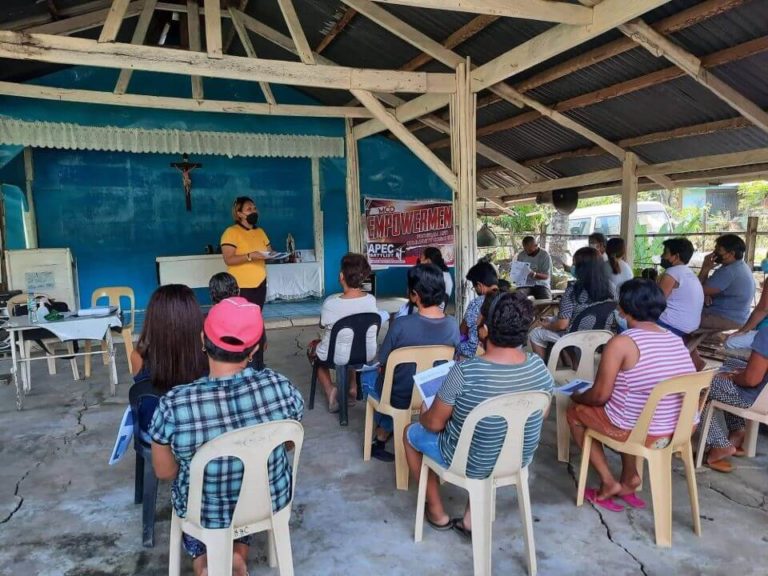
515	408
691	387
360	325
143	411
598	314
113	295
761	403
588	342
252	445
424	357
21	300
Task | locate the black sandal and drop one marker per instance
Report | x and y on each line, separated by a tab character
439	527
458	525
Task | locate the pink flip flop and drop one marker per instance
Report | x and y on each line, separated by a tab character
633	501
608	504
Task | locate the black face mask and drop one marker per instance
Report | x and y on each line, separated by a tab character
252	219
665	263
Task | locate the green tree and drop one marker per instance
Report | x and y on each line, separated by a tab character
753	195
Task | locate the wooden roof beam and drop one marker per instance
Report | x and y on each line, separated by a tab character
607	15
338	28
79	22
544	10
139	37
114	20
213	45
245	40
195	44
296	31
660	45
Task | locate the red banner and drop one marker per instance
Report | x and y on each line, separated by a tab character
396	231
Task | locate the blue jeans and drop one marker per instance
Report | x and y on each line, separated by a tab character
426	442
368	382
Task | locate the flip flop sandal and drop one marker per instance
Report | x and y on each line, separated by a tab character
590	494
740	453
458	526
721	466
439	527
633	501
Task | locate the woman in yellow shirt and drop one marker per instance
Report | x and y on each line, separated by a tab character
245	246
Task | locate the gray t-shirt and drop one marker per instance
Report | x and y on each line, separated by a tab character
413	330
737	290
541	262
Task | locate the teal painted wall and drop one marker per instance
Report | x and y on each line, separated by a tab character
119	211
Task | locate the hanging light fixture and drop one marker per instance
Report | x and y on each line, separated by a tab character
486	238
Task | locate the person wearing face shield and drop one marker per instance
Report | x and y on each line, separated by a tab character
245	247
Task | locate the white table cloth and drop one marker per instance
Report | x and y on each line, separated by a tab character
294	281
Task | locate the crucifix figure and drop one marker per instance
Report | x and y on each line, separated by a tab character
185	167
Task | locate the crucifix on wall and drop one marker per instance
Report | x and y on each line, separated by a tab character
185	167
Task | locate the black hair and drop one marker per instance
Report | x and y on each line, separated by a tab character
615	249
642	299
597	238
680	246
435	257
429	284
650	274
591	275
528	240
221	355
355	269
508	317
732	243
411	278
483	273
222	286
504	285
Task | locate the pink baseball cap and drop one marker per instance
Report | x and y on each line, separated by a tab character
234	324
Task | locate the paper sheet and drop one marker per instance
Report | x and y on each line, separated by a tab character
574	386
519	274
428	382
124	436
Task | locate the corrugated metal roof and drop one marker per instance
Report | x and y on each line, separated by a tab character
535	139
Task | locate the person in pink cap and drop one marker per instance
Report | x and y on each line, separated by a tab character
232	396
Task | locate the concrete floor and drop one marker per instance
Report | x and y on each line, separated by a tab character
64	511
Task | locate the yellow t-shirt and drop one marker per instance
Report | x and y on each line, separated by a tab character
247	274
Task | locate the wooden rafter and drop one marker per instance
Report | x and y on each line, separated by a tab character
80	22
337	29
114	21
296	31
732	54
81	51
245	40
229	36
544	10
660	45
139	36
608	15
195	44
213	45
173	103
63	13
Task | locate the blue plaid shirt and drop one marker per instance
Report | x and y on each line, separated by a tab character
189	416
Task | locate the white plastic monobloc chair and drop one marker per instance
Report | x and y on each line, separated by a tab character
253	513
515	408
754	415
587	342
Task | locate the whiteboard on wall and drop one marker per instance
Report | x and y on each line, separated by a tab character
50	271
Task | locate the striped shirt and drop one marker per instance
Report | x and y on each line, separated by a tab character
662	355
473	381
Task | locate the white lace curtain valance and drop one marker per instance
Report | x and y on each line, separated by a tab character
110	138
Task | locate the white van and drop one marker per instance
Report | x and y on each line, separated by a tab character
607	220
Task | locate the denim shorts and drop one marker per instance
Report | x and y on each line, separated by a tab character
426	442
195	548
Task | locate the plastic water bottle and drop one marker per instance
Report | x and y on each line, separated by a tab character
32	307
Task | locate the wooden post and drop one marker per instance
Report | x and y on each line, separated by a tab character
30	217
629	206
317	217
749	257
354	222
463	139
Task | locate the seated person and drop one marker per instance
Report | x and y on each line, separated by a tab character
617	268
729	292
432	255
505	368
591	287
738	384
168	351
631	366
222	286
429	327
684	293
649	274
541	269
598	241
410	306
484	279
743	337
233	396
354	270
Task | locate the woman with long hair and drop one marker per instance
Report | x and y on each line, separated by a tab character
592	286
432	255
618	269
168	352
